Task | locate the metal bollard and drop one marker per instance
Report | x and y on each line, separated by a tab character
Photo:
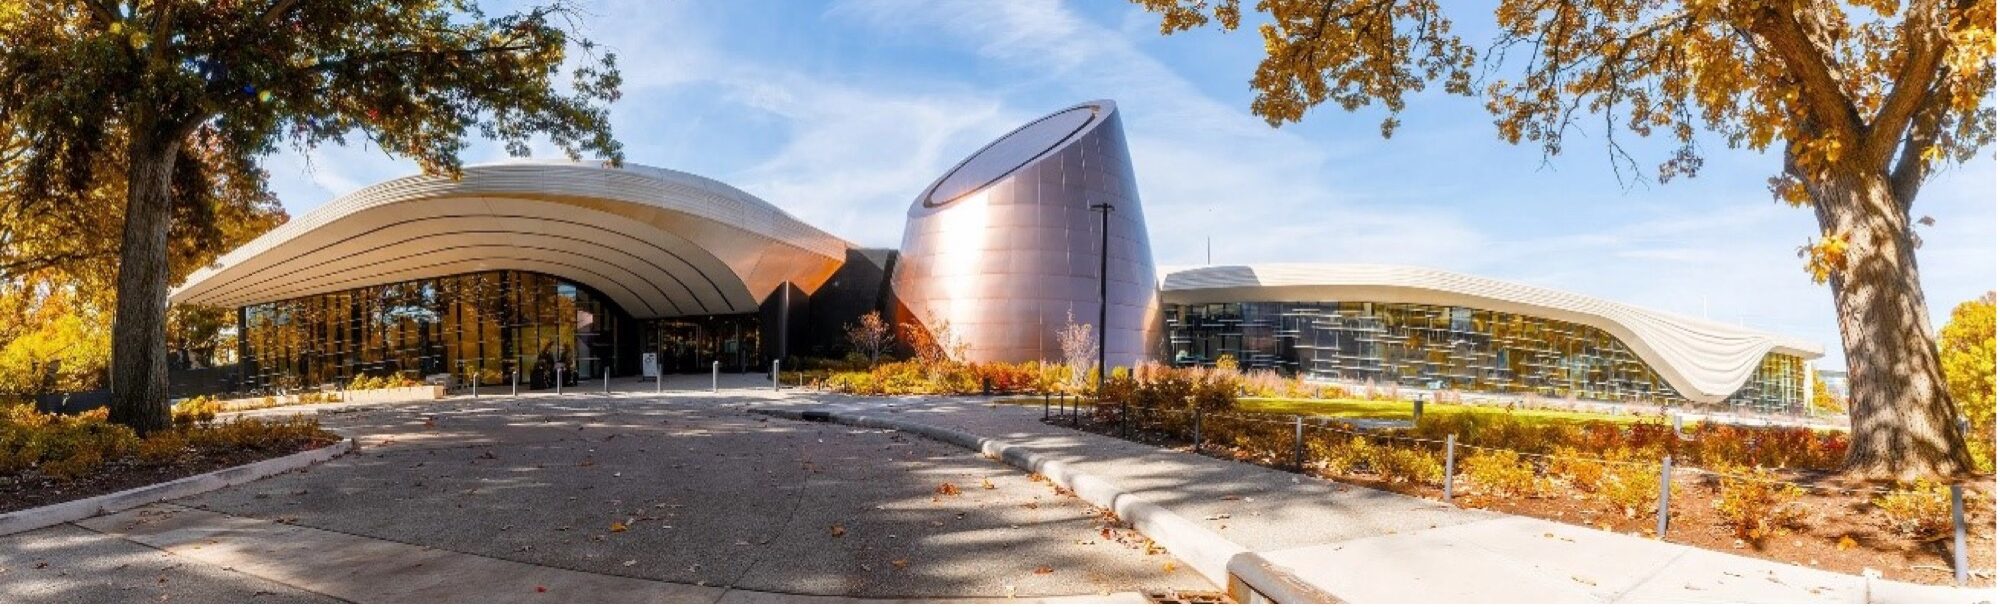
774	375
1197	431
514	387
1666	491
1045	406
715	377
1959	568
1450	463
1299	443
558	380
659	379
607	382
1075	412
475	382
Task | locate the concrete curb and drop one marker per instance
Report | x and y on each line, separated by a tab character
76	510
1215	557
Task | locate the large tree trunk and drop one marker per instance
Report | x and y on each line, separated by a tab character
1904	424
139	333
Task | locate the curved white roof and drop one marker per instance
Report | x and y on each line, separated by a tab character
1704	361
658	242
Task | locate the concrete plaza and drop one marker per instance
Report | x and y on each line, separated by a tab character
586	497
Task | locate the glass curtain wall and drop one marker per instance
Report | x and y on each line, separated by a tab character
486	325
1443	347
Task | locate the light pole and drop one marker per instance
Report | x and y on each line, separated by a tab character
1103	290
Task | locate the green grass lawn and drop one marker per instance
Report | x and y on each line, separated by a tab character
1400	410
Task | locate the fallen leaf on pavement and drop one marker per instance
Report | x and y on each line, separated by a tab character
838	531
986	483
541	589
947	489
1044	570
617	527
900	563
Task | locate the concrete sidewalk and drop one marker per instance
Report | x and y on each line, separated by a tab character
1361	545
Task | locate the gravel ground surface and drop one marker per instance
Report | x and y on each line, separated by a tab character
690	490
69	564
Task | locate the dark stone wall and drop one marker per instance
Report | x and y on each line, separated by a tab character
860	286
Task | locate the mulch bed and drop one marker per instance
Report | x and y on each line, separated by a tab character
1829	516
32	490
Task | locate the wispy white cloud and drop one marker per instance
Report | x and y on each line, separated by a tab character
843	117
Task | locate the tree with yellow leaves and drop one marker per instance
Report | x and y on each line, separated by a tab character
177	95
1965	346
1864	98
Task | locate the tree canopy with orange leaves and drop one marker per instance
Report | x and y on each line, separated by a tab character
1862	100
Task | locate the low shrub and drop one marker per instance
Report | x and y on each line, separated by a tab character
1501	473
163	448
1922	512
70	447
1336	455
1756	505
197	410
1633	488
1583	471
1406	465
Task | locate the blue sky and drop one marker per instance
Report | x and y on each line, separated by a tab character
841	113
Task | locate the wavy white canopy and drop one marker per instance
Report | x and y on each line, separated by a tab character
660	243
1705	361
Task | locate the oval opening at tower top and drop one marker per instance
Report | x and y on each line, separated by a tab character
1003	156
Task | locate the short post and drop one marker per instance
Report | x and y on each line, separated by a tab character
514	385
659	381
1124	419
1197	431
774	375
1666	490
1958	565
1045	406
475	382
607	382
1450	463
1417	411
715	377
1299	443
559	370
1075	412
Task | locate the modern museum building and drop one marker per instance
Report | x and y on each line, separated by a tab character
521	269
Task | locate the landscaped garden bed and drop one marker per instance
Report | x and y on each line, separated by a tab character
47	459
1606	475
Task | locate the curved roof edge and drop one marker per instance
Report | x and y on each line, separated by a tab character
1101	110
1703	360
585	187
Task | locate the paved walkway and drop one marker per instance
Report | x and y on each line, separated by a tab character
1369	546
633	498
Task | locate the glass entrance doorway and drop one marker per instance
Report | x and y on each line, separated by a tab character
691	345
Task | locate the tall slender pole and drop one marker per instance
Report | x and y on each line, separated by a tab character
1450	463
1103	292
1666	491
1958	565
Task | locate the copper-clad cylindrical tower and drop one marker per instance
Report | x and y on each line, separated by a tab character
1006	249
